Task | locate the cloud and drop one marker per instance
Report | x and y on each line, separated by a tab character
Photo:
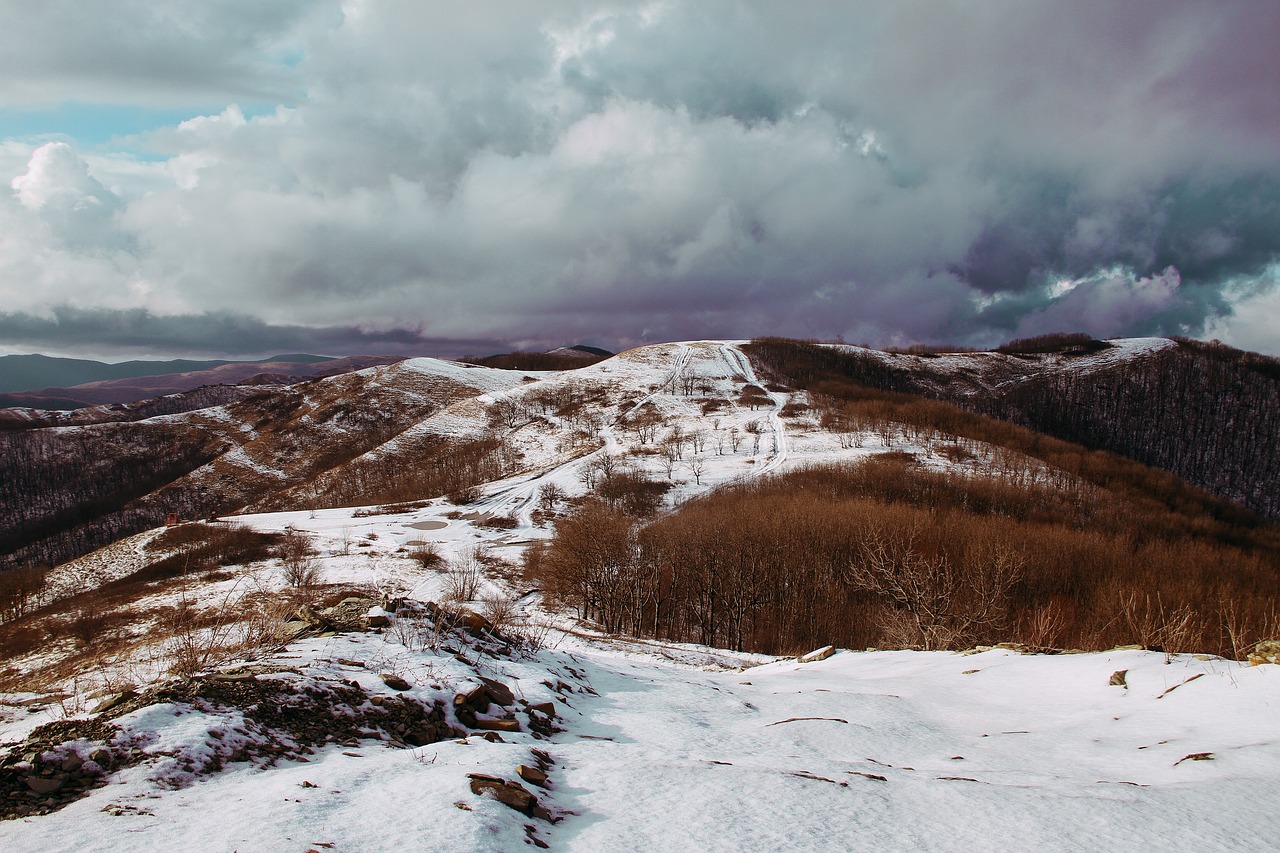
69	329
627	172
153	52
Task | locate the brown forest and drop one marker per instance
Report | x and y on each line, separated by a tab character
1056	546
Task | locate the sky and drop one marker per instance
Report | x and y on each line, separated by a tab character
237	178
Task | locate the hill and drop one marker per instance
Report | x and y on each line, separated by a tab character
574	608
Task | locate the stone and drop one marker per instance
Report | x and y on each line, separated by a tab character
114	701
1131	647
510	794
394	681
46	784
477	699
293	629
1268	651
506	724
817	654
72	761
473	621
101	756
532	775
1117	678
377	621
498	692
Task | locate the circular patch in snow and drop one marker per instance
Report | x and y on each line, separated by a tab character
428	525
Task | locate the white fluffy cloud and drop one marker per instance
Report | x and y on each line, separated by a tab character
621	172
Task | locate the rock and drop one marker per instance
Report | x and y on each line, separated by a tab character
44	785
114	701
100	756
293	629
477	699
817	654
498	691
532	775
305	614
1117	678
473	621
234	676
377	621
1268	651
511	794
506	724
394	681
492	737
1132	647
545	708
72	762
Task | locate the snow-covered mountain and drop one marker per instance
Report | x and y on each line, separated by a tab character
356	660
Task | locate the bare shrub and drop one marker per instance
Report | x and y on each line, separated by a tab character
417	632
301	571
426	554
87	625
500	610
1157	626
197	640
465	577
1042	626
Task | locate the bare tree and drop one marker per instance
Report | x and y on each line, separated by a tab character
549	496
941	604
508	412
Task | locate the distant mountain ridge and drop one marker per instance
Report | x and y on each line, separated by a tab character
35	372
282	370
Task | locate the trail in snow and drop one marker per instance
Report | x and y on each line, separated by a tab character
742	365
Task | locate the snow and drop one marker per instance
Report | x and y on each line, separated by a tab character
862	751
669	746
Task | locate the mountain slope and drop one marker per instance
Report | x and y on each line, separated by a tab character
1209	414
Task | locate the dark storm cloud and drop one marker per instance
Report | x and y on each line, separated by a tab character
889	171
217	333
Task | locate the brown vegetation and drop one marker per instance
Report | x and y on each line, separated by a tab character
888	554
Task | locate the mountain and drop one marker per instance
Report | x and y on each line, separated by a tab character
619	607
1206	412
283	370
349	439
32	372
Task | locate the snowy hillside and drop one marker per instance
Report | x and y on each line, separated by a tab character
384	676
